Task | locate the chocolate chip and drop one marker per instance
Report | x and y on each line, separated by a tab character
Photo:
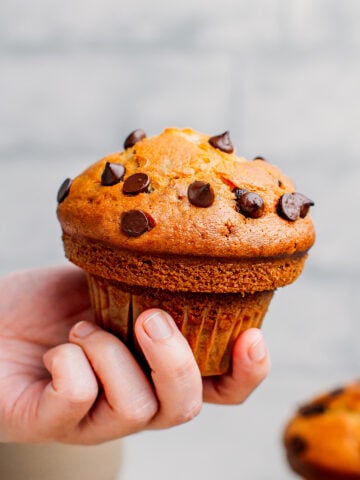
134	223
64	190
294	205
306	203
134	137
258	157
222	142
201	194
112	174
250	204
336	392
312	409
136	183
296	445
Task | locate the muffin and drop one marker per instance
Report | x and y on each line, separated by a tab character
322	440
180	222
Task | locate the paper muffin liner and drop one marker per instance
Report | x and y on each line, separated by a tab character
209	321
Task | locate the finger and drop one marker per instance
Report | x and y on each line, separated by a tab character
128	402
251	364
70	394
174	371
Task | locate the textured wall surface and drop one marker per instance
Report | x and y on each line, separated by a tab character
284	77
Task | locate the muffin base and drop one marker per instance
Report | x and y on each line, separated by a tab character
210	322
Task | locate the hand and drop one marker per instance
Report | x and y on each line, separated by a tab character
63	378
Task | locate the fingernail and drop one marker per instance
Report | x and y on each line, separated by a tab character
157	326
82	329
257	350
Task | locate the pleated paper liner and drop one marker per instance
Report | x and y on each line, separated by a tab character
210	322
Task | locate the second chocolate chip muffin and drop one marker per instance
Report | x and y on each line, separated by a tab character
322	440
178	221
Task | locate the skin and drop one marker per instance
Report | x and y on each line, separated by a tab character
64	379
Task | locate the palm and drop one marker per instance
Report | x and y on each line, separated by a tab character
38	310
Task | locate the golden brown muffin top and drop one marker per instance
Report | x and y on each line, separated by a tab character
186	193
323	438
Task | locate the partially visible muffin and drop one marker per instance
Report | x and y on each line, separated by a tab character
322	440
179	221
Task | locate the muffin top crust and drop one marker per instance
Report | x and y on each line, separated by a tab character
186	193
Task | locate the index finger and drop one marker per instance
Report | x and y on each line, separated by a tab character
175	374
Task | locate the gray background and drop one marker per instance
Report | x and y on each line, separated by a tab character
283	76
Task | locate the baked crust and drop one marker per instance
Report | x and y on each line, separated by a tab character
172	161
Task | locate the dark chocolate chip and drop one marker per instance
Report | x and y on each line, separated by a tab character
64	190
258	157
306	203
112	174
222	142
312	409
294	205
136	183
134	137
296	445
336	392
201	194
250	204
134	223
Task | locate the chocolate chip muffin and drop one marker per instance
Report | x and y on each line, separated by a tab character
322	440
178	221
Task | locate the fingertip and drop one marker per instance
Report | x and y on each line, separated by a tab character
82	330
150	312
251	354
155	324
255	345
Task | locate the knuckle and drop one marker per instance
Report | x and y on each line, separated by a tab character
188	414
182	371
139	413
82	394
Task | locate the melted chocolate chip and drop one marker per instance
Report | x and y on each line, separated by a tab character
250	204
134	223
312	409
294	205
136	183
297	445
258	157
134	137
64	190
222	142
201	194
112	174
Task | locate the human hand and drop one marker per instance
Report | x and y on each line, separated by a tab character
63	378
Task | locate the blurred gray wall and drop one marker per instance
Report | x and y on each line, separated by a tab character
284	77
